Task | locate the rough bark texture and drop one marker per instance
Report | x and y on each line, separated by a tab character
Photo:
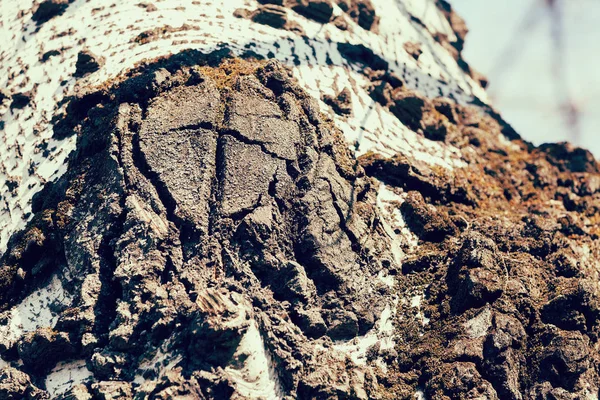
214	235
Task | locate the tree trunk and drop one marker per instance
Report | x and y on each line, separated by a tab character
295	199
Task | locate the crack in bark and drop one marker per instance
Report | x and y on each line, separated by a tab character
192	127
240	137
184	227
344	218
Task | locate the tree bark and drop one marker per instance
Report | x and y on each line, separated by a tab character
281	199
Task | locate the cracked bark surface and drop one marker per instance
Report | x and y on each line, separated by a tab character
205	209
215	236
220	208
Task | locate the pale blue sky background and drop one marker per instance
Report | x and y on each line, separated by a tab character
523	86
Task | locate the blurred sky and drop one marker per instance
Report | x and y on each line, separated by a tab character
510	41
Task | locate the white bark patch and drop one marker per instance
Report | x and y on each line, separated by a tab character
35	311
372	126
381	334
160	363
431	16
66	375
254	373
388	280
389	202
